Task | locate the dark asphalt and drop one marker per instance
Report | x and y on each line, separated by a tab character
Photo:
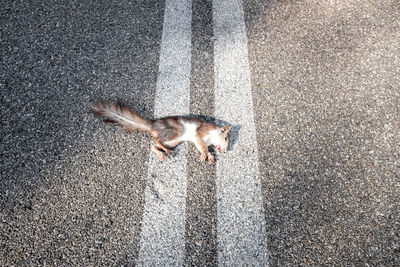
71	186
325	78
201	205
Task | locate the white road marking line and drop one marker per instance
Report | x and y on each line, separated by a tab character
241	223
163	226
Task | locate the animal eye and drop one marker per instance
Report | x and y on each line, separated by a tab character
226	138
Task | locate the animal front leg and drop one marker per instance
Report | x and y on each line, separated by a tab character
211	158
201	145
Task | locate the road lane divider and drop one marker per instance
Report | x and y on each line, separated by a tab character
241	231
163	225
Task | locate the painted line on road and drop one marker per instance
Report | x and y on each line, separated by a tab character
163	226
241	227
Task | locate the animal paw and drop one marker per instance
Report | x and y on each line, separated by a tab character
159	153
211	158
203	158
161	156
168	152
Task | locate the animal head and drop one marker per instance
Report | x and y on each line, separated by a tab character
222	141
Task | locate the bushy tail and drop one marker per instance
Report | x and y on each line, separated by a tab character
122	115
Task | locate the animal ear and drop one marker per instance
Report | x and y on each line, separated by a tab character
226	129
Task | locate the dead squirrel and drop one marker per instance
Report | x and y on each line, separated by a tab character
168	132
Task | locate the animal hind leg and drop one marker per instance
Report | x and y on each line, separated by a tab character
157	150
161	145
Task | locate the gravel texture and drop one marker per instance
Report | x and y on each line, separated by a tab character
326	81
71	186
163	224
241	222
201	203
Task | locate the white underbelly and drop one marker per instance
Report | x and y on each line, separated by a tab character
189	132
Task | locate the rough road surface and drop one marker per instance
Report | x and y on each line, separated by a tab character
310	88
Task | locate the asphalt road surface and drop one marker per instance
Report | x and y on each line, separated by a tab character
310	88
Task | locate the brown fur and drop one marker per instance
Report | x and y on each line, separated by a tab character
114	112
205	128
166	131
202	131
